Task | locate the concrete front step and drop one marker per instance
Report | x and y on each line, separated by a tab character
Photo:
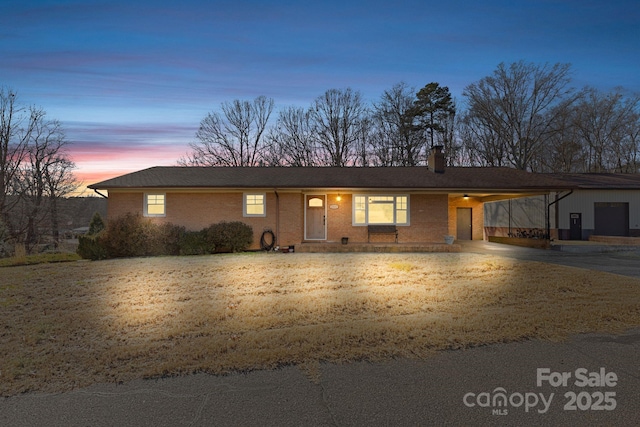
376	247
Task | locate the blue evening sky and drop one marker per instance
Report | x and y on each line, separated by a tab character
131	80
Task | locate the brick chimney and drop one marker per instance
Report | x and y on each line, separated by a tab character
436	159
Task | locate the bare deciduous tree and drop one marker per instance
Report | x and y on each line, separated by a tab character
517	103
363	153
233	138
59	181
16	125
291	141
45	176
563	150
395	141
35	171
482	142
608	124
337	118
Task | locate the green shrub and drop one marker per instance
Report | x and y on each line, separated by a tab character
131	235
93	247
232	236
194	243
96	224
169	238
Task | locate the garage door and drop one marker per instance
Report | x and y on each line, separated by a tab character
611	219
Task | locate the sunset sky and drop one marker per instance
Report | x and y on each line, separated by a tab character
131	80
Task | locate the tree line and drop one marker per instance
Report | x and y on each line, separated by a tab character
338	129
35	172
524	115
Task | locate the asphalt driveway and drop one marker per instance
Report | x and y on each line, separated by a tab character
626	262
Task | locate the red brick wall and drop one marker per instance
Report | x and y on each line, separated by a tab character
291	219
196	211
477	216
121	203
339	221
428	215
429	222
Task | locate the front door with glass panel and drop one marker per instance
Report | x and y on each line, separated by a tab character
315	217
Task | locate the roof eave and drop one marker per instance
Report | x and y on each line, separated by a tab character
339	188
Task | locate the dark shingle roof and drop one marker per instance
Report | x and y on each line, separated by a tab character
454	178
603	181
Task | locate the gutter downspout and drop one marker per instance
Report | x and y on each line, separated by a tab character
549	212
275	190
509	234
96	191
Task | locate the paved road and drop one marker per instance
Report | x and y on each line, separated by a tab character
450	388
626	262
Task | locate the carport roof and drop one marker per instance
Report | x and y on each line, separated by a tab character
419	177
601	181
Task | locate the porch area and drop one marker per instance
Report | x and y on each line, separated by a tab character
326	247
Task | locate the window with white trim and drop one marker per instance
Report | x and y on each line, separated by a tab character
255	204
380	209
155	204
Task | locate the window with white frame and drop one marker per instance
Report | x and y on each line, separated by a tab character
155	204
380	209
255	204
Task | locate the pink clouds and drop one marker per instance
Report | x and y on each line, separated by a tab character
104	164
103	150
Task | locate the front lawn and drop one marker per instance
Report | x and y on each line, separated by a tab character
69	325
39	259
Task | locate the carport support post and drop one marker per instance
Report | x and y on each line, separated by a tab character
549	212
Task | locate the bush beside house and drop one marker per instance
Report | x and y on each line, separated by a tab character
232	236
92	245
132	236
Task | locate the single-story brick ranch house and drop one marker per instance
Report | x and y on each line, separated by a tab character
326	204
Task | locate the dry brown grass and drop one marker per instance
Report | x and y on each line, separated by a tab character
20	253
70	325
